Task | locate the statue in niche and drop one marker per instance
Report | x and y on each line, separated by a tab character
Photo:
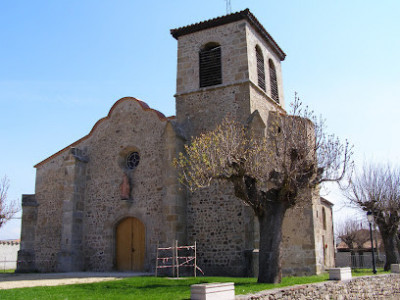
125	188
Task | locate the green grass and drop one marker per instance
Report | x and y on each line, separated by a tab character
145	288
364	272
7	271
155	287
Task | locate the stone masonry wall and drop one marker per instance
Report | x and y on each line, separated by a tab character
232	39
367	287
253	39
26	254
212	212
298	248
200	109
70	256
204	110
260	101
49	196
238	95
128	129
130	126
325	248
302	252
222	226
79	202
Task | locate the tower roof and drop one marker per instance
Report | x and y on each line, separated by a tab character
241	15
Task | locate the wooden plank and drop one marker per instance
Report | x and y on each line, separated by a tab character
124	245
138	245
130	245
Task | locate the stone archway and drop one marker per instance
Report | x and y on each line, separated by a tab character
130	245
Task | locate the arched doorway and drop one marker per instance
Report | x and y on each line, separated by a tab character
130	245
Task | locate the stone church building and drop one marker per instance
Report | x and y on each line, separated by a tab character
104	202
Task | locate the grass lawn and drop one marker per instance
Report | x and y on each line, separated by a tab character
7	271
153	287
364	272
145	288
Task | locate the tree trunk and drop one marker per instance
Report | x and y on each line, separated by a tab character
361	259
397	243
270	243
353	259
388	239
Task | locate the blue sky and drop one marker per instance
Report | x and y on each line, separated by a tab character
64	63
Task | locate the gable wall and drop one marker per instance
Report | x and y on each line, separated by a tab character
80	204
128	129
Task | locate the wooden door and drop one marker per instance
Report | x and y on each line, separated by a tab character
130	245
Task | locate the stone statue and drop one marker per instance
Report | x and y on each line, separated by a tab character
125	188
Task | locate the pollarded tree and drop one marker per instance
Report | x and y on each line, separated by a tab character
347	232
352	233
272	168
7	209
377	189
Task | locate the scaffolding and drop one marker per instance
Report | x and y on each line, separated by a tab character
172	257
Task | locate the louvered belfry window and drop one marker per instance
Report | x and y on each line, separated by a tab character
210	65
273	82
260	68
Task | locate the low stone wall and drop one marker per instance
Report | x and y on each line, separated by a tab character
365	287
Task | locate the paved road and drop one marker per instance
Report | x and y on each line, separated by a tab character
19	280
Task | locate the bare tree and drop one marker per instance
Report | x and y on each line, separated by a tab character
377	189
347	232
272	168
7	208
362	237
354	235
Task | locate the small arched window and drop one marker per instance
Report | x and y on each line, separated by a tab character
260	68
210	65
273	81
324	218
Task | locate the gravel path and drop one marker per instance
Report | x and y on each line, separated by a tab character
19	280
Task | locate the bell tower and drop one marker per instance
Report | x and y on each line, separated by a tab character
231	67
226	66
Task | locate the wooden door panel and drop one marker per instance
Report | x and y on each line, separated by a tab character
124	233
130	244
138	245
